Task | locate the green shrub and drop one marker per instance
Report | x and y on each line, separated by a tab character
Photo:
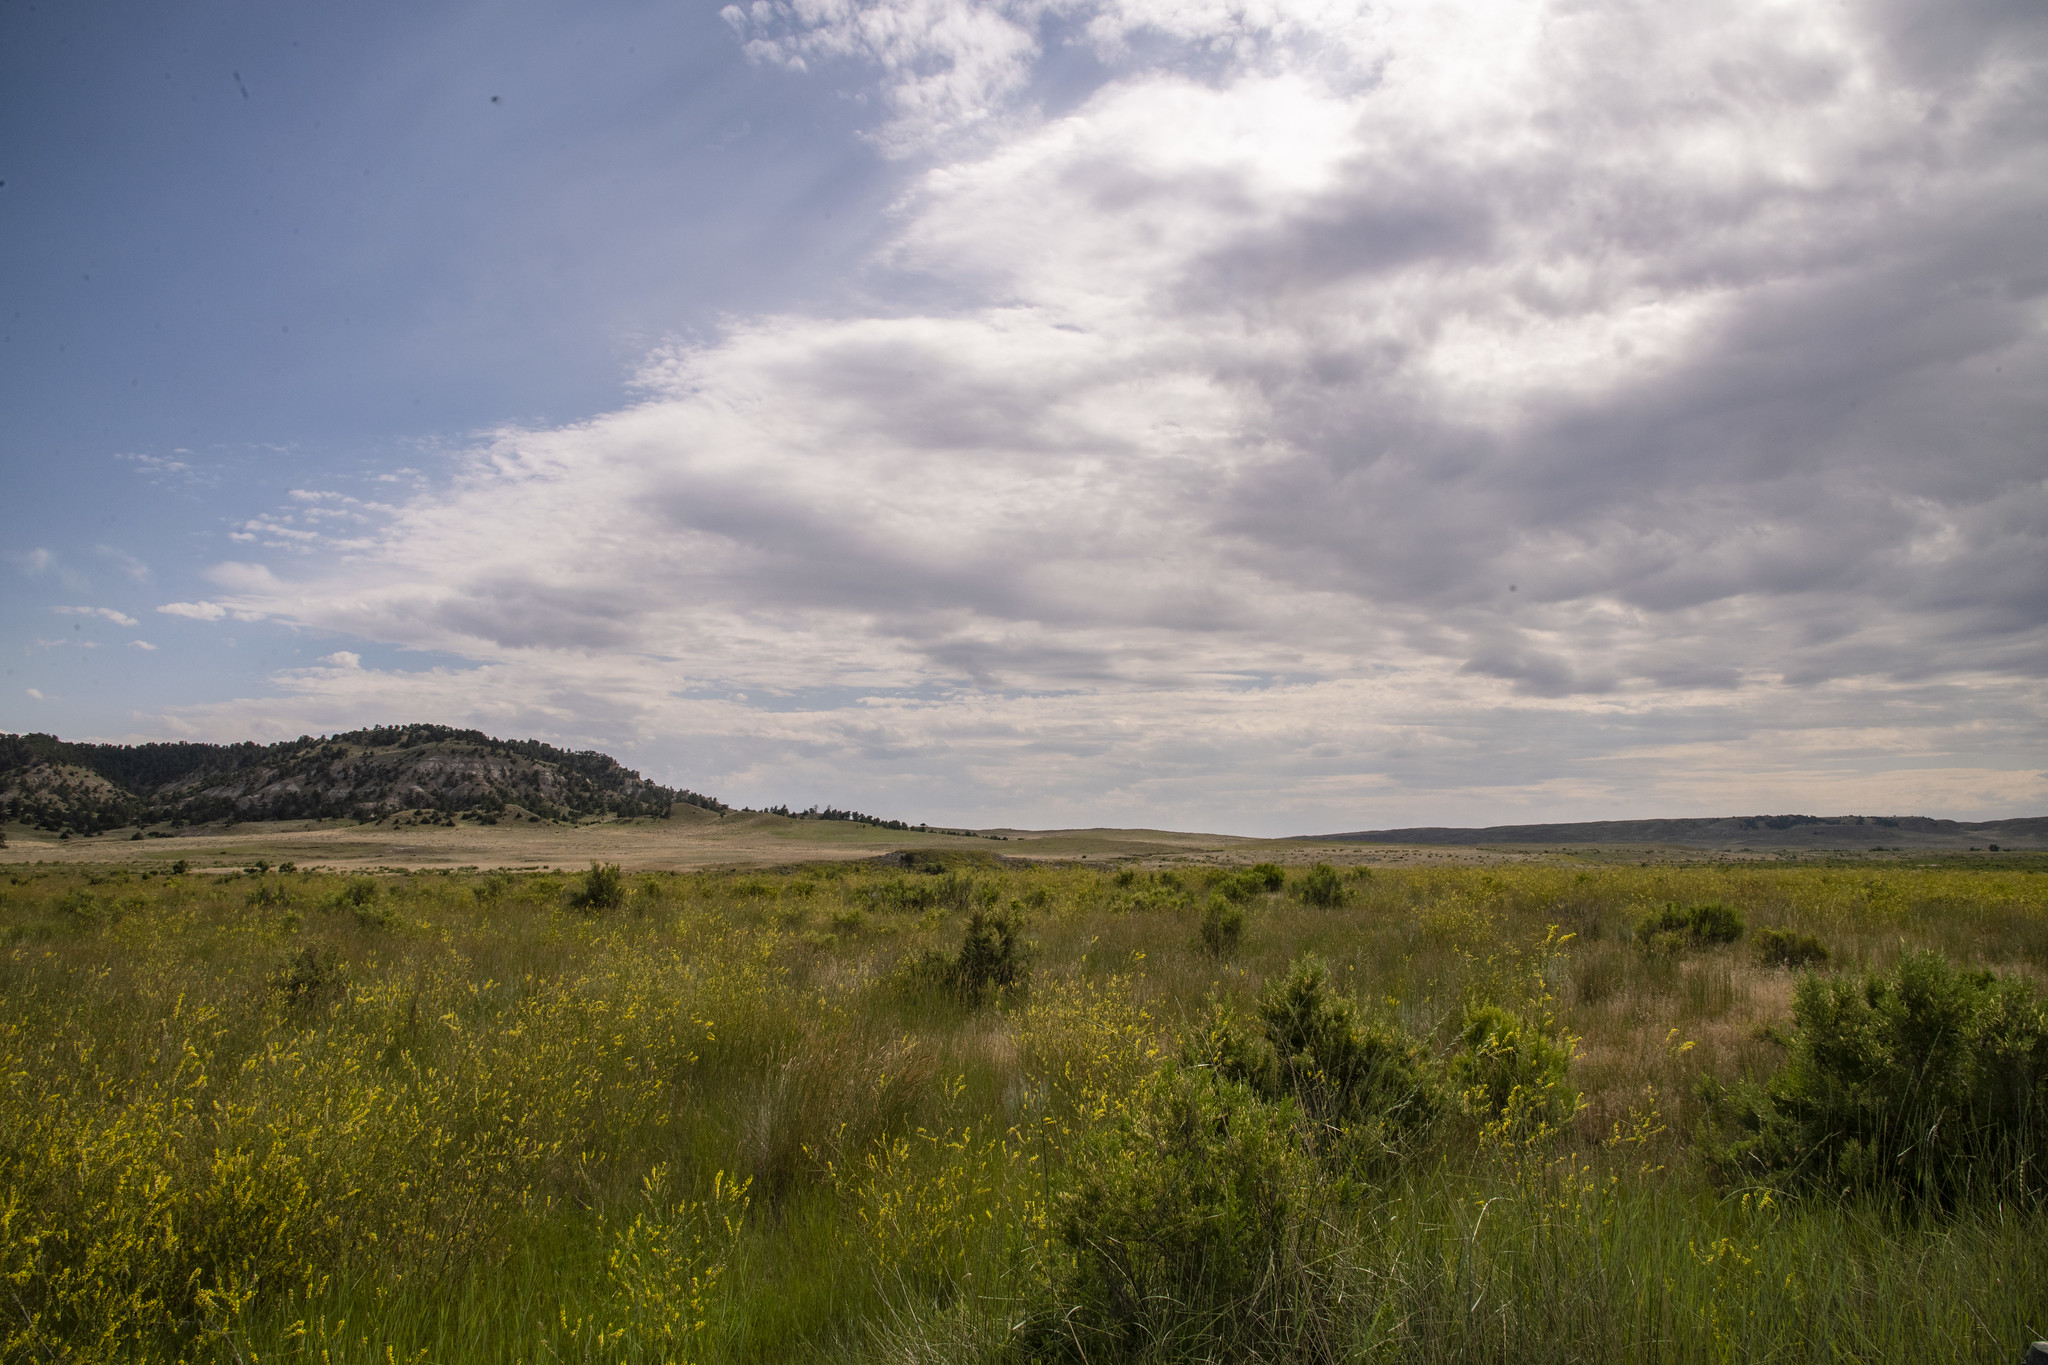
270	895
991	959
1928	1082
1506	1065
1222	927
1365	1091
357	892
1785	948
1677	927
1322	887
310	976
1257	880
1191	1229
363	898
604	888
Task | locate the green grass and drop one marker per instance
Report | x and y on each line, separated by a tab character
468	1119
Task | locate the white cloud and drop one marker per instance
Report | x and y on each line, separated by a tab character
195	611
1252	384
141	644
162	469
33	561
106	613
34	693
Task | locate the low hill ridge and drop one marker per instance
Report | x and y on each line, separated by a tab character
1731	831
359	774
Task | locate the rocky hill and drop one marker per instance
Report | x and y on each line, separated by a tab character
1859	832
363	775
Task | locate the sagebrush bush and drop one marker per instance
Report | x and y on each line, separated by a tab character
1927	1082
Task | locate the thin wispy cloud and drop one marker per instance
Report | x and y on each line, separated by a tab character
119	618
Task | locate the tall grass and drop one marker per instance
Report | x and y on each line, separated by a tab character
726	1116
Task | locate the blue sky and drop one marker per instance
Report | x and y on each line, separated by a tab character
1263	416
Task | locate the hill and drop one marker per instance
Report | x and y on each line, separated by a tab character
1734	832
362	774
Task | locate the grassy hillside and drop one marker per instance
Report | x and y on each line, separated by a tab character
950	1108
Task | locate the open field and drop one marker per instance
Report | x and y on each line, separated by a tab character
960	1107
693	838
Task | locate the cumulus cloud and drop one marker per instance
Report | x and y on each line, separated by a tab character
194	611
1362	403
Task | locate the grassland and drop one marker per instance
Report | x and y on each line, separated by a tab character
752	1113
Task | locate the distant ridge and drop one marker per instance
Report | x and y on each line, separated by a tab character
360	774
1734	832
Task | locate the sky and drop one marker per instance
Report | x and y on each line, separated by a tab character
1246	416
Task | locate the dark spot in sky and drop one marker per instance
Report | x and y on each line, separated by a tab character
239	86
494	99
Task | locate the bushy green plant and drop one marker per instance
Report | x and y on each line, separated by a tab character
357	892
991	958
1222	927
1676	927
1505	1064
1323	888
1190	1228
311	975
1925	1082
604	888
363	898
1257	880
1787	948
1366	1090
